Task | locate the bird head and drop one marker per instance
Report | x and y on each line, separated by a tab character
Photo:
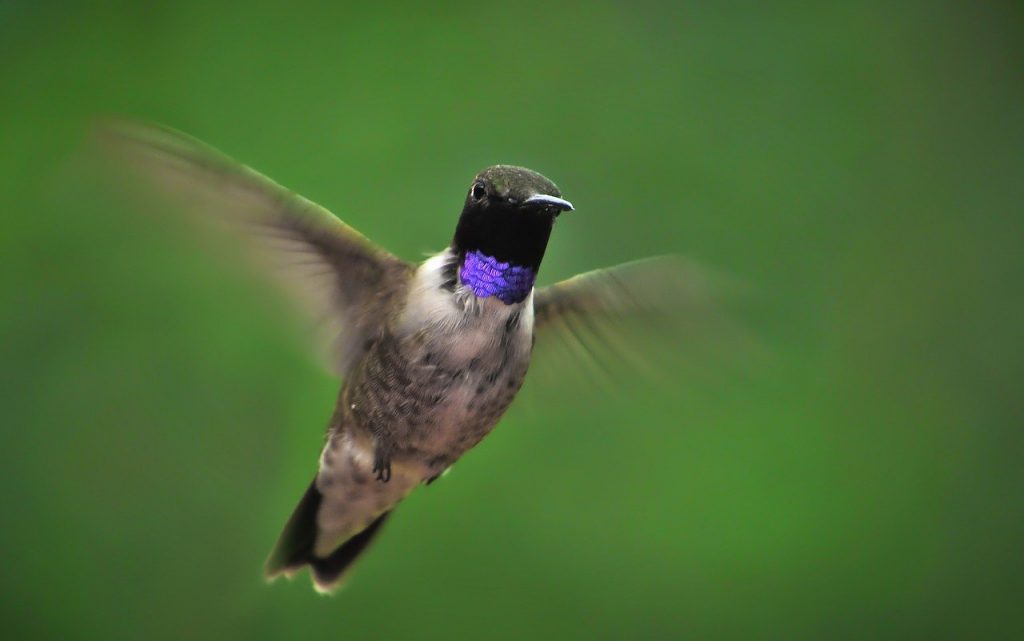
508	215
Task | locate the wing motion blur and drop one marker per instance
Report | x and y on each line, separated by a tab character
629	318
333	273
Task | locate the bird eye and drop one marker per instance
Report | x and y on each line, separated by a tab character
479	191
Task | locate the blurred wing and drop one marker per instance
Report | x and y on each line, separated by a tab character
639	317
335	275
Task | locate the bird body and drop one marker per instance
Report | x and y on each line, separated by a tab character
431	384
431	356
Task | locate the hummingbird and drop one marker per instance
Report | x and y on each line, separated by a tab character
431	355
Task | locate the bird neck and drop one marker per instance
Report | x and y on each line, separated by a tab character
506	235
487	276
497	252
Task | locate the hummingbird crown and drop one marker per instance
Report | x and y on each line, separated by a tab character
511	183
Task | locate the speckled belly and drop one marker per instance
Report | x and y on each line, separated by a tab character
469	406
429	399
429	387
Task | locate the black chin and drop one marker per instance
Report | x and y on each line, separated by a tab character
510	234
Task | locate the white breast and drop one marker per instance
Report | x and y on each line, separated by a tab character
471	325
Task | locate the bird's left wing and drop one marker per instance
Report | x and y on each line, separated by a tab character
633	317
334	274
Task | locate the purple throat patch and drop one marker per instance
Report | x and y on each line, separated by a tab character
487	276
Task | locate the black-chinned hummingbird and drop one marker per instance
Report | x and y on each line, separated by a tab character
431	355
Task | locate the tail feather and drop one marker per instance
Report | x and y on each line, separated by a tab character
328	572
295	546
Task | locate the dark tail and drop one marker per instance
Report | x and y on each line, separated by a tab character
294	548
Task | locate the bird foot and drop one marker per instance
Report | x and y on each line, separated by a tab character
382	465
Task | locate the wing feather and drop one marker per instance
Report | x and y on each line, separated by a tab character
639	317
338	278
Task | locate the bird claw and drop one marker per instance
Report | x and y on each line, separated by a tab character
382	465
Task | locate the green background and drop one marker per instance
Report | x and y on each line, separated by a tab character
858	166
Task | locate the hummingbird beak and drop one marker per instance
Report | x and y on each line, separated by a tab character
549	201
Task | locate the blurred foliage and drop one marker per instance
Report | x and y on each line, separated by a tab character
859	165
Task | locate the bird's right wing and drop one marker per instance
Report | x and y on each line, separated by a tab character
334	274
